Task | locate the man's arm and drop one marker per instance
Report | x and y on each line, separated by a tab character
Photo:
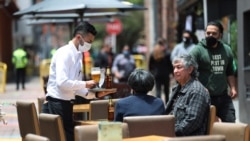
91	94
232	83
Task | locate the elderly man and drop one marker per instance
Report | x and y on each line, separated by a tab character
190	101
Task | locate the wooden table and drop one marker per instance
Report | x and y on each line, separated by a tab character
88	122
81	108
147	138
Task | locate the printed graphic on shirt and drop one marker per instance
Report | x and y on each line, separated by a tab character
217	64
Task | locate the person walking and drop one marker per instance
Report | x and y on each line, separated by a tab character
105	57
20	61
216	68
65	77
161	67
123	65
185	46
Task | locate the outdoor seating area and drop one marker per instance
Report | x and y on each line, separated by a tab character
124	70
153	128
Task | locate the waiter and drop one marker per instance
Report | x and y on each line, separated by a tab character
65	78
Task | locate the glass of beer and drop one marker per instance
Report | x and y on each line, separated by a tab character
96	74
102	79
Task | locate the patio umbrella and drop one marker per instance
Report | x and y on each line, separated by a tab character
73	15
78	6
48	21
69	21
71	18
65	21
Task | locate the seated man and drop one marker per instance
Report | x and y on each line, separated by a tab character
141	82
190	101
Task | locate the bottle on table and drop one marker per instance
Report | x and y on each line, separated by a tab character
108	79
111	109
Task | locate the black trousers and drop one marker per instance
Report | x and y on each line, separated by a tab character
224	107
20	76
65	110
158	87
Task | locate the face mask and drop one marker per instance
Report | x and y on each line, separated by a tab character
211	41
86	47
186	40
126	53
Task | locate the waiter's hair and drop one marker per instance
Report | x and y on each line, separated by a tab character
84	28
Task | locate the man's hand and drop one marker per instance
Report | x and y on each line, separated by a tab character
118	75
233	93
90	84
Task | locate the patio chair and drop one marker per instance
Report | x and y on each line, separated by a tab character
27	118
161	125
33	137
232	131
51	126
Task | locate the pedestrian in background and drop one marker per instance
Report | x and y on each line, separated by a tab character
123	66
20	61
161	67
105	57
217	71
185	46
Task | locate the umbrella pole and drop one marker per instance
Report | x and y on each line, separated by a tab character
70	29
83	55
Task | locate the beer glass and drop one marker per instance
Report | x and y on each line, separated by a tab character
96	74
102	79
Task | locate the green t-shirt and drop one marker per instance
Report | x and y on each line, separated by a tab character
215	64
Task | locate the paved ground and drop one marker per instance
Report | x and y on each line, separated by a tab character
32	92
8	99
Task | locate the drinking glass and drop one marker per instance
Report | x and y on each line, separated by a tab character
96	74
102	79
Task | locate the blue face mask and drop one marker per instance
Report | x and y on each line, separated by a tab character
126	53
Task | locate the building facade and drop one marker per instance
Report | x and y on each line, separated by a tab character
7	8
195	14
243	18
160	20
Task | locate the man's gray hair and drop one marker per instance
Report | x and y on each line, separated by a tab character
188	61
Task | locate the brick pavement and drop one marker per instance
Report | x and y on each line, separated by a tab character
8	99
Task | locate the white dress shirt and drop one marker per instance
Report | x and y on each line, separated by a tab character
65	78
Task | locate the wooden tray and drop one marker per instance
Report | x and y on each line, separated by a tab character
102	89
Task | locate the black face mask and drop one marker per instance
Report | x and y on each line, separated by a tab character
186	40
211	41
